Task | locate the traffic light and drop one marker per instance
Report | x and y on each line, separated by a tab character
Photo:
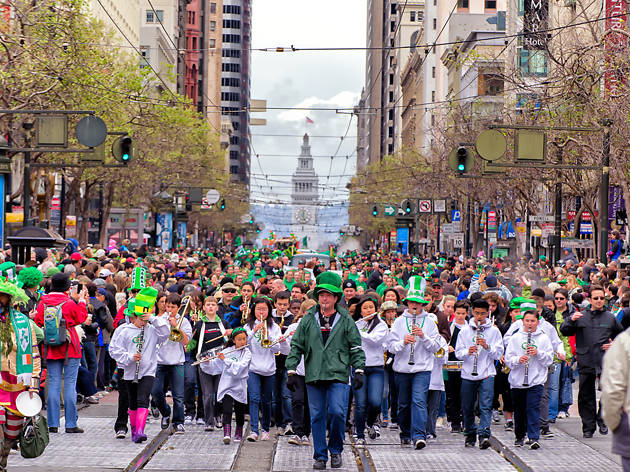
222	204
258	229
123	149
341	232
406	207
461	160
375	210
188	203
251	221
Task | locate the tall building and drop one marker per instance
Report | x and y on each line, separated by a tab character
158	38
124	15
236	83
305	195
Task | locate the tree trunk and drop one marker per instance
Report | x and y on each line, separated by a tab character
108	197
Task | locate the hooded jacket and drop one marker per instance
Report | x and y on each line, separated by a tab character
74	314
425	347
538	364
373	341
485	357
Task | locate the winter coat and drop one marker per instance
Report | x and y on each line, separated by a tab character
74	314
332	361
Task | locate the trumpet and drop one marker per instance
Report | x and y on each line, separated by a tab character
265	342
440	353
215	356
176	333
245	314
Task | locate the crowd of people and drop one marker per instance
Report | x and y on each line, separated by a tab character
376	341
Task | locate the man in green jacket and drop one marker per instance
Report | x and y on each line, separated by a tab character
330	342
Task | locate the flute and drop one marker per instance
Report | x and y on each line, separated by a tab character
209	358
139	351
412	349
529	342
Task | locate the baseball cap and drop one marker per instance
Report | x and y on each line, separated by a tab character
105	273
75	256
349	283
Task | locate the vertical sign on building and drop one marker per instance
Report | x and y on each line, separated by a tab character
535	24
616	44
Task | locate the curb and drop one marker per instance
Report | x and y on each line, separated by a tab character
510	456
150	449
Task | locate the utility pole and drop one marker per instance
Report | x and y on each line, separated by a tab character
557	249
603	196
26	185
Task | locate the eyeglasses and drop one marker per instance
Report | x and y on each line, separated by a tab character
560	298
229	290
598	298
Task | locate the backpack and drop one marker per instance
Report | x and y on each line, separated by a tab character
55	328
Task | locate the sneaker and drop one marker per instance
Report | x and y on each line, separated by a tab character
201	421
188	420
495	416
238	433
209	427
405	442
282	431
319	465
335	461
469	443
431	436
393	426
484	443
53	429
218	422
179	429
304	441
519	442
155	412
546	433
288	430
121	434
360	442
441	421
253	437
384	424
603	429
420	444
561	415
264	436
76	429
166	422
377	430
456	428
534	445
295	440
92	400
509	425
371	432
226	439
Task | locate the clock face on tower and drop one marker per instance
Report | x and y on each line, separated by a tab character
303	215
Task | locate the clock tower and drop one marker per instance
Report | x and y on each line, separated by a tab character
304	196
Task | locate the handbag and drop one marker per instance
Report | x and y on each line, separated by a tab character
34	437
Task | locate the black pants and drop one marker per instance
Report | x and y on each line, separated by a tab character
587	403
301	418
239	408
193	404
123	402
502	387
393	397
453	388
139	393
209	385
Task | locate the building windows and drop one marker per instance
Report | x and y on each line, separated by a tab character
392	26
230	82
230	97
490	4
235	24
213	7
412	16
155	16
232	38
236	125
390	115
433	72
490	84
213	43
532	62
390	132
233	139
231	53
390	149
233	169
228	67
433	96
234	155
194	43
463	4
233	9
434	23
420	15
146	56
213	26
391	96
432	120
393	9
391	79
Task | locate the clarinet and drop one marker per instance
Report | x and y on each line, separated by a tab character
412	349
139	351
526	377
474	372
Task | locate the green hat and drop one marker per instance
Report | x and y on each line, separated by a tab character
29	277
52	271
235	331
7	271
328	282
145	301
528	305
16	294
417	287
131	307
516	302
138	278
543	258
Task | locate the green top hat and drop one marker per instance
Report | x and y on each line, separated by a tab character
528	305
328	282
417	287
138	278
515	303
7	270
131	307
16	294
145	301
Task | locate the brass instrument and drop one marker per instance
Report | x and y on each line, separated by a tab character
440	353
245	314
176	333
264	340
453	365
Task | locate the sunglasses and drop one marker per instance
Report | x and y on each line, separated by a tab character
598	298
560	298
229	290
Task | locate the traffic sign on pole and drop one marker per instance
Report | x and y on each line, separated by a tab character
424	206
439	206
456	215
389	210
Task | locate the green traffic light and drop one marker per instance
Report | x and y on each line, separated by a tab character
461	167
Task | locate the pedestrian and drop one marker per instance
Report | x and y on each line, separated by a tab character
62	350
529	355
281	396
479	346
331	343
594	329
134	347
454	377
414	339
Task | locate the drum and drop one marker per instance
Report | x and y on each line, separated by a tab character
453	365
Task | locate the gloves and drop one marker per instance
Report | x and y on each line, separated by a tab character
292	382
357	381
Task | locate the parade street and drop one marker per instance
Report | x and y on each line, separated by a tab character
98	450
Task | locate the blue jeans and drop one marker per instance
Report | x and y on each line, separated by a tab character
470	390
89	353
175	376
566	387
57	370
282	405
328	404
412	404
554	390
259	388
368	399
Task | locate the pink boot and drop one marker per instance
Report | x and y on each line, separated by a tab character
134	423
238	433
141	421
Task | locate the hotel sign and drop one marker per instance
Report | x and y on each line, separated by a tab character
535	24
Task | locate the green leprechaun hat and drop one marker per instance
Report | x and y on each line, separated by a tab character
8	272
138	278
130	310
15	293
328	282
145	301
417	287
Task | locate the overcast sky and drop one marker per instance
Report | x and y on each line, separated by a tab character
306	79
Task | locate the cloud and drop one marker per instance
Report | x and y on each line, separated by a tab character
345	99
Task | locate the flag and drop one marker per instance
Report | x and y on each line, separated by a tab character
309	121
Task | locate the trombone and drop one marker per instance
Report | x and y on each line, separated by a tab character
176	333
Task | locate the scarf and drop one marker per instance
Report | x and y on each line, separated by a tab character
22	328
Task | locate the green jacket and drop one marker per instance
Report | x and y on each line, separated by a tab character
332	361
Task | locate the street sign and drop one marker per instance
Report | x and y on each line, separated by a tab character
458	240
541	218
424	206
389	210
205	205
456	215
439	206
212	196
424	241
447	228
